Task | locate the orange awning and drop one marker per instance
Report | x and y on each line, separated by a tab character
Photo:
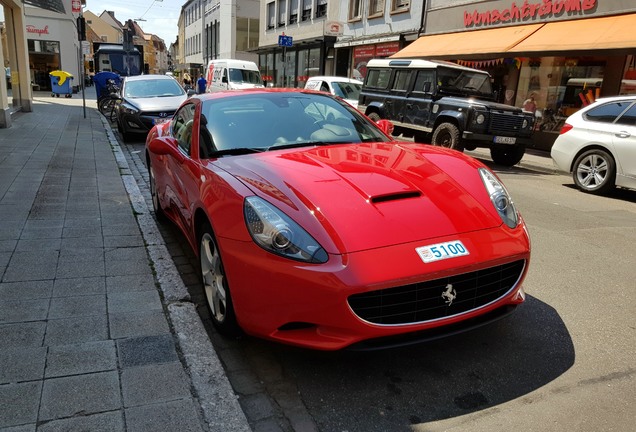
469	43
612	32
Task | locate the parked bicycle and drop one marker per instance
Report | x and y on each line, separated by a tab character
108	101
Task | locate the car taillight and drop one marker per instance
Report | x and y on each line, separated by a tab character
566	127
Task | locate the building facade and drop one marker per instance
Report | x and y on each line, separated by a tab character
374	29
563	53
313	26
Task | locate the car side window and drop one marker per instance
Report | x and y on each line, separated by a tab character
402	80
629	118
608	112
182	127
378	78
324	87
424	81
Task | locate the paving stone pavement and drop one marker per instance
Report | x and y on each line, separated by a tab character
91	339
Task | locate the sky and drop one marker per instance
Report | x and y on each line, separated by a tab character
160	16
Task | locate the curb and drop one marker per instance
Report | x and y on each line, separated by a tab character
219	404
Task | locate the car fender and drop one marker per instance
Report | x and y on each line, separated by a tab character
376	107
459	118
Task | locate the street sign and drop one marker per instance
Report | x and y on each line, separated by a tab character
86	47
285	41
76	6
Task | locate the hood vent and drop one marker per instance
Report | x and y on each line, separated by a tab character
395	196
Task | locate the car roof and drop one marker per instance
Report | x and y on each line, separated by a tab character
257	90
147	76
334	79
417	63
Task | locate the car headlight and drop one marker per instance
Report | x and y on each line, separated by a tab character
276	232
500	198
524	124
129	109
480	118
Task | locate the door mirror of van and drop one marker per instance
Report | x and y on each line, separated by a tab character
427	87
224	80
385	126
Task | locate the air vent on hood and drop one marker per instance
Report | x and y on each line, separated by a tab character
395	196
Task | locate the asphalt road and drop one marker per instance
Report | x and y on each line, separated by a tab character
564	361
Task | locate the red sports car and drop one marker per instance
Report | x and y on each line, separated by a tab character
315	228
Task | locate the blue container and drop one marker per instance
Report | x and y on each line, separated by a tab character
101	82
65	88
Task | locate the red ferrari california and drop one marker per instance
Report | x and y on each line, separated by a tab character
315	228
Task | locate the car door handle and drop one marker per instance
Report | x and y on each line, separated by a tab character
622	134
409	106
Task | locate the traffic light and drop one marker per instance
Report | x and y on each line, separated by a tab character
81	28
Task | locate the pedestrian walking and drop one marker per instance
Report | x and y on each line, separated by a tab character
201	84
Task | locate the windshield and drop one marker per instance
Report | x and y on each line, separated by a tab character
346	90
245	76
148	88
283	119
464	81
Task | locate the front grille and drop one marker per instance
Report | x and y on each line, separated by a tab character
423	301
147	118
505	123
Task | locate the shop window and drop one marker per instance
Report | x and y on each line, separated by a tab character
271	15
355	10
306	10
402	79
282	12
321	8
376	8
400	5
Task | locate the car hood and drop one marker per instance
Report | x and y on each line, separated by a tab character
472	101
358	197
167	103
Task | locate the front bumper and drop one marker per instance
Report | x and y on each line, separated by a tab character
308	305
490	139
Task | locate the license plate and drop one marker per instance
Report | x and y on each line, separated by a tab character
505	140
441	251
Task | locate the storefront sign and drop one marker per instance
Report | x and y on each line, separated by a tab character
333	28
528	10
387	49
38	31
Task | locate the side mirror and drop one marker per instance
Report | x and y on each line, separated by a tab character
191	92
386	126
224	80
427	87
166	147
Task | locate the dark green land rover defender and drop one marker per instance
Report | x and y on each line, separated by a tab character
445	104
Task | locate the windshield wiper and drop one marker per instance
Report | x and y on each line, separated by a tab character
235	151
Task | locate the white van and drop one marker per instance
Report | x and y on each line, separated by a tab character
232	75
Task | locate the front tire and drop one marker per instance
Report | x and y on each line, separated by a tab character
507	155
594	172
447	135
374	116
215	285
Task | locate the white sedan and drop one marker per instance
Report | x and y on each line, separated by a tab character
597	145
346	88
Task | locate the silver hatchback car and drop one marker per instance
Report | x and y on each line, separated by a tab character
146	100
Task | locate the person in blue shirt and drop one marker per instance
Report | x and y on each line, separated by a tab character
201	83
